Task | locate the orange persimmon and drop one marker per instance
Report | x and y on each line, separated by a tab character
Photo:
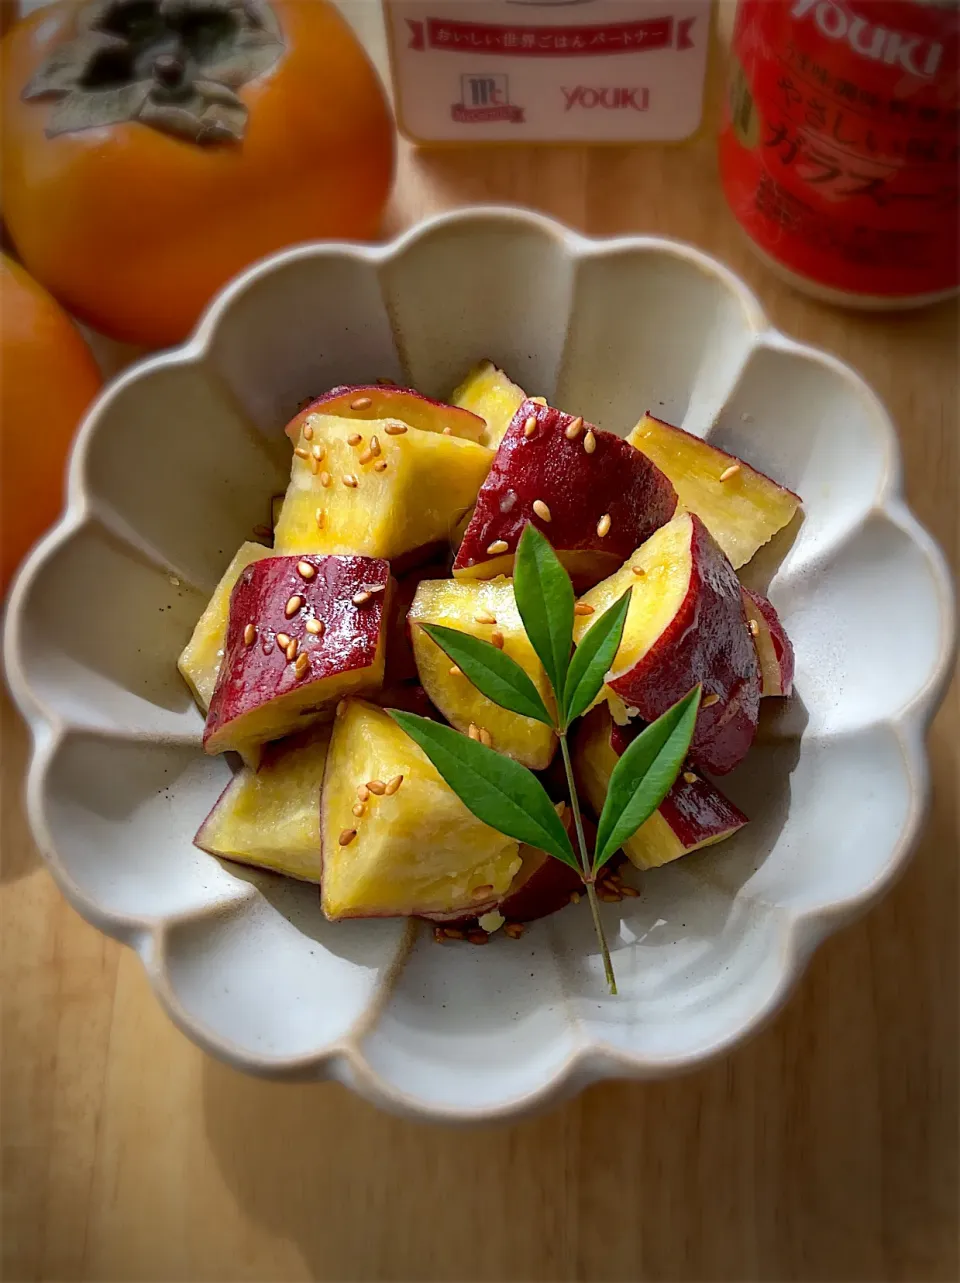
152	151
48	377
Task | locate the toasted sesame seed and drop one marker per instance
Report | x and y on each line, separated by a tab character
314	465
283	640
174	581
374	445
484	617
629	891
455	670
354	438
293	605
477	937
754	628
560	807
514	930
732	471
638	571
301	453
583	608
447	432
342	707
609	897
350	480
393	785
589	441
539	400
689	777
359	810
498	545
317	451
347	836
438	935
603	525
480	891
380	465
291	650
473	732
302	666
262	532
541	509
306	569
497	639
377	787
249	635
326	479
573	429
395	429
361	403
318	518
361	598
486	739
710	700
315	626
574	897
453	933
366	457
363	793
529	425
308	432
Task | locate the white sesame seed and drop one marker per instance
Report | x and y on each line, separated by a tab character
361	598
315	626
291	651
325	480
318	452
603	525
711	699
541	509
314	465
498	545
497	639
293	605
308	432
573	429
539	400
484	617
486	739
361	403
342	707
583	608
393	785
301	453
374	445
354	438
359	809
249	635
638	571
689	777
306	569
732	471
380	465
754	628
395	429
283	640
454	671
530	425
363	793
366	457
347	836
589	441
473	732
302	666
447	432
377	787
479	892
350	480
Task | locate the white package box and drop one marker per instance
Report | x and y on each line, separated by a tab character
571	71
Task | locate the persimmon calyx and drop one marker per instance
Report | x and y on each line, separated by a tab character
173	65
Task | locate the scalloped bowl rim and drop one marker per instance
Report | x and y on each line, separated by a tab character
340	1060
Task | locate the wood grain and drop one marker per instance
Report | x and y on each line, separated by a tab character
825	1149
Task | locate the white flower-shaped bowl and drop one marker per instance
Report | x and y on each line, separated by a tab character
177	462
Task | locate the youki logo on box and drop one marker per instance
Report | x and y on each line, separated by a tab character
485	99
606	98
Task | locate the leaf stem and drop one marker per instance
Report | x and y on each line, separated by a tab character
588	877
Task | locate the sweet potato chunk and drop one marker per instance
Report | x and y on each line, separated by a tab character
487	392
376	401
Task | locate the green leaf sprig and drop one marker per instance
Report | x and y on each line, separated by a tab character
507	796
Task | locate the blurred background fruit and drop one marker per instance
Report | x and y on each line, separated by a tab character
48	377
151	152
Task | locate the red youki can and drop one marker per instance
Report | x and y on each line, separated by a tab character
839	145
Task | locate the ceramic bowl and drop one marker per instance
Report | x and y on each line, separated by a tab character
176	463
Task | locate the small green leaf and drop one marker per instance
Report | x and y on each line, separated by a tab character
644	776
592	659
498	791
493	673
544	597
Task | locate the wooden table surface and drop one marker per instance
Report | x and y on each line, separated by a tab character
825	1149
